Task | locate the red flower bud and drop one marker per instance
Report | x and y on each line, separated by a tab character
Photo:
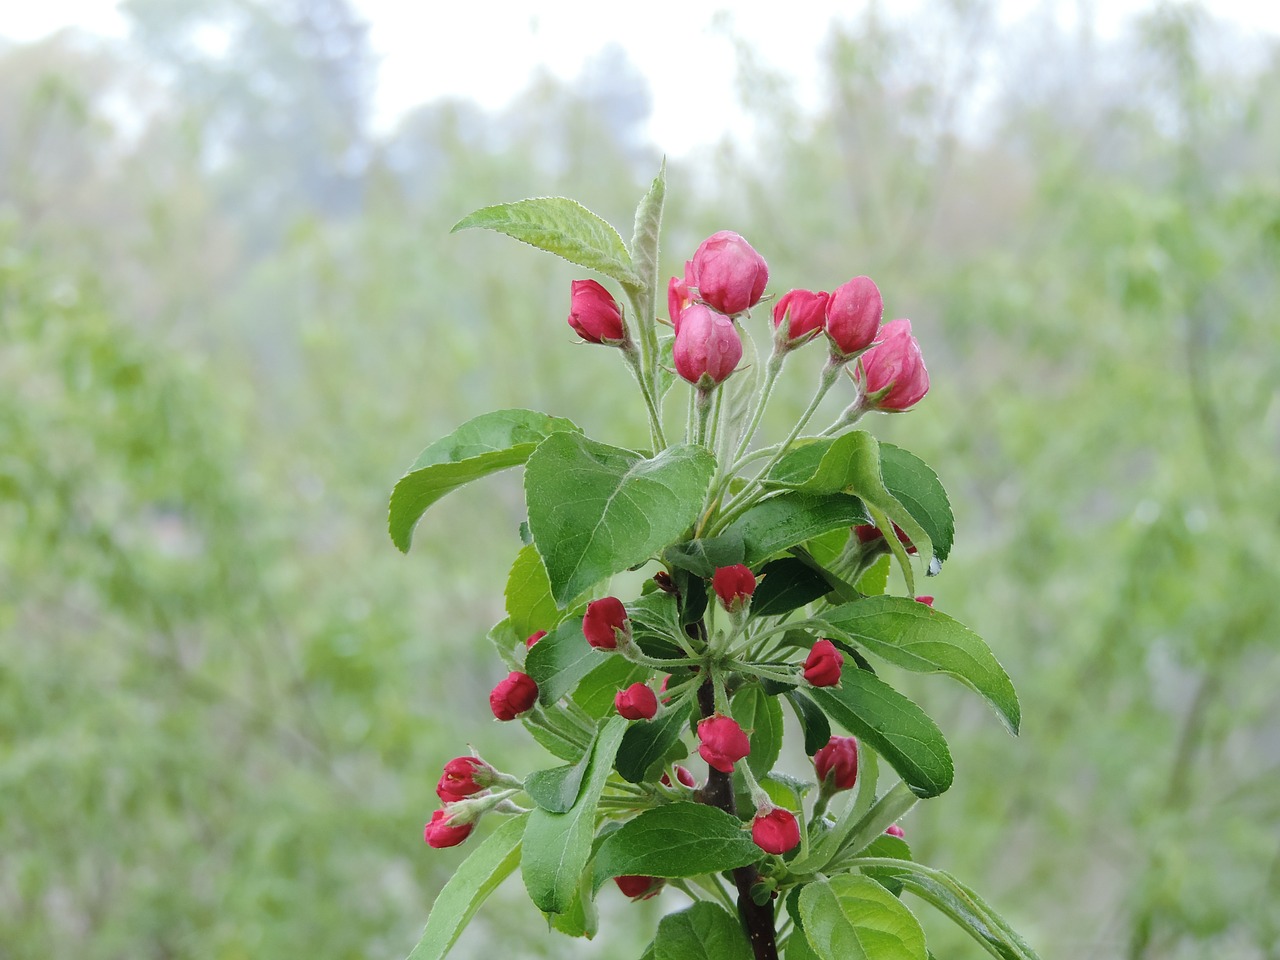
640	888
895	364
637	702
534	638
729	274
927	601
682	775
894	830
678	297
837	763
462	777
775	831
734	586
854	313
806	311
867	532
604	618
822	666
723	742
707	347
594	314
438	833
513	696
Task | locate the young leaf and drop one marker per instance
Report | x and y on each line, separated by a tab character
529	602
760	716
648	743
681	839
556	789
596	691
893	726
560	226
917	487
480	874
557	845
779	522
596	510
481	446
702	557
855	918
702	932
560	660
785	585
915	637
817	731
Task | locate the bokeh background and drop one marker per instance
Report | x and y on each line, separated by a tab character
231	314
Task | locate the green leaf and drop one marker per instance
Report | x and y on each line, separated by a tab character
893	726
596	691
557	845
560	226
554	742
817	731
915	637
596	510
855	918
560	660
760	715
703	557
480	874
798	946
891	848
681	839
529	602
875	579
490	442
505	641
556	790
782	521
914	484
648	743
785	585
702	932
644	236
961	905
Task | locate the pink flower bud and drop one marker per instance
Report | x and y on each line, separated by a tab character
867	532
723	742
439	834
896	365
729	274
854	313
682	775
678	298
462	777
822	666
707	347
604	619
927	601
595	315
534	638
640	888
775	831
837	763
805	312
513	696
734	586
894	830
637	702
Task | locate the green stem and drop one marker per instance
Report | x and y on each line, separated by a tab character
639	364
771	370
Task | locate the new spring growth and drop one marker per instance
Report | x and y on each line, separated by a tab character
775	830
595	315
823	665
605	622
892	373
728	273
513	696
836	764
637	702
722	742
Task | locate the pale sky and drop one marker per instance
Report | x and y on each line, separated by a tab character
486	50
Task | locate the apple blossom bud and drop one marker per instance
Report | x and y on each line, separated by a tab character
894	365
837	763
734	586
595	315
513	696
775	831
603	621
439	834
640	888
868	532
682	776
637	702
853	317
894	830
462	777
729	274
707	347
927	601
678	297
534	638
822	666
722	742
805	313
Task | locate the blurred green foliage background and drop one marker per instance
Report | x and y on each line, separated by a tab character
231	315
